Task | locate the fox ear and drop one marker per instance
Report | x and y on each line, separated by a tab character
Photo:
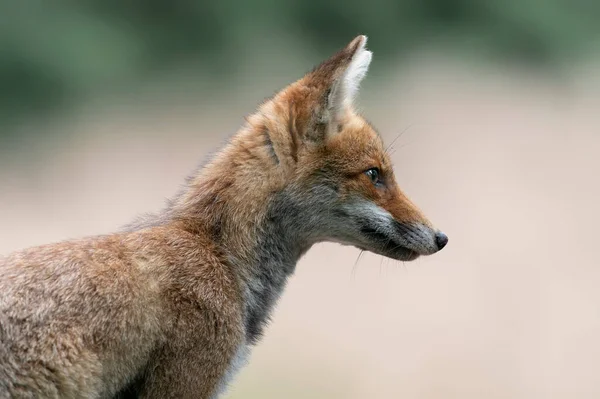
334	85
345	86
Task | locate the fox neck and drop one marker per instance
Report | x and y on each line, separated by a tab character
241	200
266	267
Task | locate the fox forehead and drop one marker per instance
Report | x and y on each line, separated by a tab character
358	146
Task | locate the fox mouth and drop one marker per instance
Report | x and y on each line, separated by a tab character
387	246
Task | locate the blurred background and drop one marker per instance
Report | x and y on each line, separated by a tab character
105	107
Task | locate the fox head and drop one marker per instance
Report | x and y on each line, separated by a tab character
308	168
339	180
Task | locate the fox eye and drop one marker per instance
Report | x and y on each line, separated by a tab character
373	174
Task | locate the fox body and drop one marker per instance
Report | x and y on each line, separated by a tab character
170	307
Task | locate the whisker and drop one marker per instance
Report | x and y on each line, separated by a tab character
354	268
397	137
393	150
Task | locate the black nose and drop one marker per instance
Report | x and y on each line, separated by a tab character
441	240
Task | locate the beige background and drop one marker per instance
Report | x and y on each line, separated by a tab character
505	161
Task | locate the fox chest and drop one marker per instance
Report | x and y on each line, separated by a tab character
261	295
239	360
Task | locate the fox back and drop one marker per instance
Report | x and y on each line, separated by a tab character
171	306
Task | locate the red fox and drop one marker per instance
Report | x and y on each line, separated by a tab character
171	306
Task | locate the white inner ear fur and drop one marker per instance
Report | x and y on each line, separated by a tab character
345	88
356	72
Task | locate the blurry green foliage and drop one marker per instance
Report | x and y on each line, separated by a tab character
54	52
